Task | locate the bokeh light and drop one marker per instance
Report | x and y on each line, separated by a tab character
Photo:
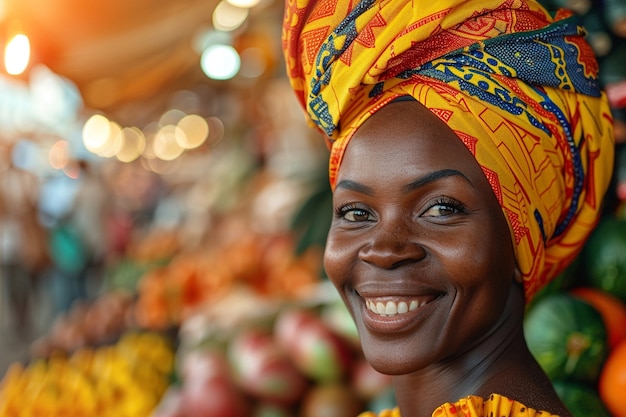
59	154
244	3
113	142
17	54
102	136
171	117
165	146
228	17
220	62
133	144
192	131
96	132
216	130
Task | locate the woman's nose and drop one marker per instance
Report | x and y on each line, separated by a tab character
392	247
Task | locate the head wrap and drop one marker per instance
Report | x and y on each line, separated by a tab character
518	87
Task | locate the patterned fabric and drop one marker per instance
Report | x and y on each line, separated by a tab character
517	86
473	406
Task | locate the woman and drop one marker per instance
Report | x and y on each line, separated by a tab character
470	151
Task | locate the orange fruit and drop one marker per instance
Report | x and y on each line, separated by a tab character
612	381
611	308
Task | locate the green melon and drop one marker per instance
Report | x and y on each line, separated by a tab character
567	337
582	400
605	257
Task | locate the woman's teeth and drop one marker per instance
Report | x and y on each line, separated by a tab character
391	308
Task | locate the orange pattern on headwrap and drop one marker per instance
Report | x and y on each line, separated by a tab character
519	89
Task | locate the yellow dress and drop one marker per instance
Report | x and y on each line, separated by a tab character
473	406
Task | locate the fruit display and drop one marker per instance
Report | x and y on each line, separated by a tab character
168	294
612	384
582	399
85	324
294	364
576	328
612	310
127	378
604	257
567	337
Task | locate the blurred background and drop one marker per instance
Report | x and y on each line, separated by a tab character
163	209
124	119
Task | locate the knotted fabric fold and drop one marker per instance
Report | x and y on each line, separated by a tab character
518	86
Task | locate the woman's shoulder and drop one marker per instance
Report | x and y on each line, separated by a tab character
474	406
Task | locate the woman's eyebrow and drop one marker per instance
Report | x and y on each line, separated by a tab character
434	176
355	186
420	182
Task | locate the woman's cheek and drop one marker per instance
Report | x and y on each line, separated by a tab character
337	259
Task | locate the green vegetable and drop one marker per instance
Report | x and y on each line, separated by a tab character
605	257
582	400
567	337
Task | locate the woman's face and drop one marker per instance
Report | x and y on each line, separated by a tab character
418	248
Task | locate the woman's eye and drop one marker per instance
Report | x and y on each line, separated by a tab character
442	209
353	214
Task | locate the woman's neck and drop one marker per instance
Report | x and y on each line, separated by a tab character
499	363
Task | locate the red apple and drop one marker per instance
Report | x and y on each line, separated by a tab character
204	364
263	370
317	351
208	389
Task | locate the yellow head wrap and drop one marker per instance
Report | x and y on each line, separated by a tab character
517	86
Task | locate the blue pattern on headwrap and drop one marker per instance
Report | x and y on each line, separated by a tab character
539	220
327	54
546	47
520	52
517	55
579	172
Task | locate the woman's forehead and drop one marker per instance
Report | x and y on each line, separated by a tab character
406	133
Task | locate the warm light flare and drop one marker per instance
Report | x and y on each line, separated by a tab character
59	154
244	3
166	139
133	144
227	17
17	54
165	146
102	136
192	131
96	132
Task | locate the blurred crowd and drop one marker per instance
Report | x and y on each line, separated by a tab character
55	237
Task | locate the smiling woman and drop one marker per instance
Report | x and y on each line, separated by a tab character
470	152
416	236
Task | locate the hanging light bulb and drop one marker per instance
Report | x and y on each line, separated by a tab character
17	54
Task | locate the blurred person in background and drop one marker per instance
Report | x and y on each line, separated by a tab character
23	244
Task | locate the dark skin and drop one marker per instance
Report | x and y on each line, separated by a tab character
420	251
